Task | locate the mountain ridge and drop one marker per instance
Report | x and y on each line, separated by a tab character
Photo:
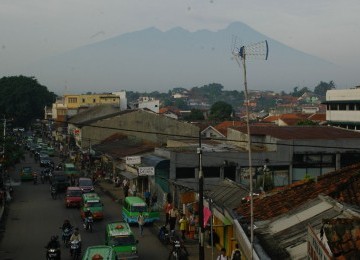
151	59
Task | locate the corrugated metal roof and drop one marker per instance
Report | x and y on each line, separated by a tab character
300	132
227	193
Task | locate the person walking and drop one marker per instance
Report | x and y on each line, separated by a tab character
141	222
222	255
236	254
167	209
183	222
174	213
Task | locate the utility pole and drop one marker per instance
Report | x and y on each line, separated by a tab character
256	51
3	153
201	203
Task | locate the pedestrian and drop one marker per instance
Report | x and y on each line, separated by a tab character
147	196
133	189
182	227
236	254
167	209
126	191
153	199
222	255
173	214
141	222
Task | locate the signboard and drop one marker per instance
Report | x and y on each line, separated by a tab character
146	171
133	160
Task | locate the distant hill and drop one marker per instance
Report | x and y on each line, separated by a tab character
150	60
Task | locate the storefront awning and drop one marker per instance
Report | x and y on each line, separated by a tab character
128	175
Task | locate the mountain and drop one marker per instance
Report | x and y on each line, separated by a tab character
152	60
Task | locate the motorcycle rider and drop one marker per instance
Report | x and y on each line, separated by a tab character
87	215
53	244
53	191
183	251
66	225
75	237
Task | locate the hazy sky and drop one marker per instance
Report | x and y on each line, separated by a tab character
34	29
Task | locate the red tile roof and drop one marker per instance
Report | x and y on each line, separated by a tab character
343	237
342	185
223	126
318	117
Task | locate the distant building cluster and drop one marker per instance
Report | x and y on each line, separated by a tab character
304	166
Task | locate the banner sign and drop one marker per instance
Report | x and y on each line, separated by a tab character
146	171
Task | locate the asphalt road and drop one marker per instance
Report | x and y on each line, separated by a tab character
33	217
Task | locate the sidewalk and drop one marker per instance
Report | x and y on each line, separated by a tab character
192	245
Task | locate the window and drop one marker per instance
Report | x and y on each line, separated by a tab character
83	100
333	107
185	173
212	172
94	100
342	107
72	100
230	172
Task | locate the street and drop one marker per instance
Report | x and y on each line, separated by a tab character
33	217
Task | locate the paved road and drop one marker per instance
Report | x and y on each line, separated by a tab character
34	217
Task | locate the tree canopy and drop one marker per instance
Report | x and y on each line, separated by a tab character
221	111
23	99
322	87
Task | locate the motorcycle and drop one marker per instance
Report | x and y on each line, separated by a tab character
66	234
75	249
88	224
35	179
42	178
179	251
53	254
53	192
163	235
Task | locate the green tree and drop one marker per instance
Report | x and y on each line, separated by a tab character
299	93
220	111
195	115
23	99
322	87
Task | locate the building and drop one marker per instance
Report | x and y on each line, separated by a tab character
343	108
70	105
146	103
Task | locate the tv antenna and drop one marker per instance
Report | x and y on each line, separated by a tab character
259	50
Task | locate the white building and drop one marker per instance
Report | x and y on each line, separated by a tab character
343	108
148	103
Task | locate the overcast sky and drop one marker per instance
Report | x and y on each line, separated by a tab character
35	29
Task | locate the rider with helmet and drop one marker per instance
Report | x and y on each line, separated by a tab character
54	245
66	225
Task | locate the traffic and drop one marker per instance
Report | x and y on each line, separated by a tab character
58	214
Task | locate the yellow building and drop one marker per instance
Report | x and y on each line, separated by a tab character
77	101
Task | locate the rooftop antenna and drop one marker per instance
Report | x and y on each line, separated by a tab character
259	50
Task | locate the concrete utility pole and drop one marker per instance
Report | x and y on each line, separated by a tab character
201	203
